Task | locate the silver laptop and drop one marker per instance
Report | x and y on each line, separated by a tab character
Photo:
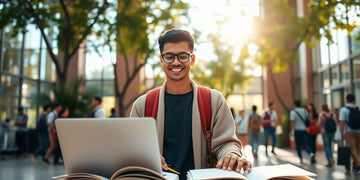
102	146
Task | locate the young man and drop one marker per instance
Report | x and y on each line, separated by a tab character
182	142
297	126
270	122
21	132
254	131
351	136
51	132
99	111
242	127
43	135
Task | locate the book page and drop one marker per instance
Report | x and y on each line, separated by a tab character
214	173
278	171
80	176
141	173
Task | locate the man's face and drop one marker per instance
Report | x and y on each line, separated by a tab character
95	103
272	107
58	108
177	71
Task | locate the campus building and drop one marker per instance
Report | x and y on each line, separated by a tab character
323	74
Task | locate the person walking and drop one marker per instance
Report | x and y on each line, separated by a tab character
313	130
269	123
64	113
52	132
42	133
254	131
351	134
298	117
181	140
242	127
327	124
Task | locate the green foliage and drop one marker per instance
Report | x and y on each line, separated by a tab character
221	73
78	102
135	24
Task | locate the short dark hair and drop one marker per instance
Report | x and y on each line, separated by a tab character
45	107
20	108
112	110
297	103
271	103
56	105
98	98
176	35
350	98
254	108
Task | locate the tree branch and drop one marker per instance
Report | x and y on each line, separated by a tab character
278	96
87	31
68	32
42	31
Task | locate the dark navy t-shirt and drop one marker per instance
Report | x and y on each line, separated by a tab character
178	149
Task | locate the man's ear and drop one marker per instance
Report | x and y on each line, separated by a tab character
192	59
161	60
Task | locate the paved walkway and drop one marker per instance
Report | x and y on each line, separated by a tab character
12	168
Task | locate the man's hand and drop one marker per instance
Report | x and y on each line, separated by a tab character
232	161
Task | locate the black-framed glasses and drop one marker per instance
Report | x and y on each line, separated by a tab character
169	58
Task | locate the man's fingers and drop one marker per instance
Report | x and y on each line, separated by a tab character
163	163
226	161
219	163
233	160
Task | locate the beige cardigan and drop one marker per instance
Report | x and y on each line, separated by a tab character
223	126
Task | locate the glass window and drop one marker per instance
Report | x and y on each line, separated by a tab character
31	61
343	44
324	51
47	69
335	75
94	66
109	72
355	44
356	64
337	99
30	105
325	79
11	52
334	54
93	86
46	93
108	88
29	89
9	85
345	72
8	107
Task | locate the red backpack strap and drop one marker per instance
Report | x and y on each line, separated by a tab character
152	102
204	102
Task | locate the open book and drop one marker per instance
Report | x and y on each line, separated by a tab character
127	173
284	171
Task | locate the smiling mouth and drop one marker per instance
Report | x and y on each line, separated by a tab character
176	69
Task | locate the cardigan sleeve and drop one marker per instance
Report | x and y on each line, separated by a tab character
224	139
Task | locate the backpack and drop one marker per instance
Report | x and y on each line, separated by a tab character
267	117
41	125
255	122
313	128
204	105
330	125
354	118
